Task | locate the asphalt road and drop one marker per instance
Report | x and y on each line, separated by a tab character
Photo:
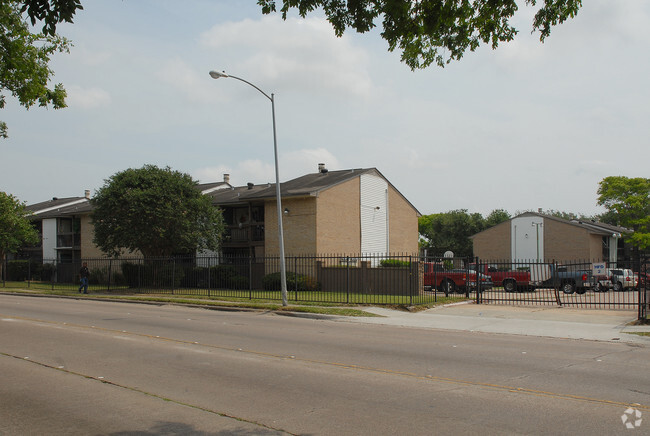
86	367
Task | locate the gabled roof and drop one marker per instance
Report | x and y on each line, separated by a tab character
222	193
60	207
309	185
207	188
594	227
233	195
590	225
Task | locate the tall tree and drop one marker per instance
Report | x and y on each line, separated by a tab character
450	231
15	227
628	202
24	57
433	31
497	216
156	211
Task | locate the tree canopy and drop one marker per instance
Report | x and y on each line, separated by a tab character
24	69
451	231
433	31
156	211
50	12
15	228
628	203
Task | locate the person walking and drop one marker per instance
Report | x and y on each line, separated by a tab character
84	273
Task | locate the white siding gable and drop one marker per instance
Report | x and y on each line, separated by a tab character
527	238
374	214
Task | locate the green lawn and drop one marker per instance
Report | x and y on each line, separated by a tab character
305	301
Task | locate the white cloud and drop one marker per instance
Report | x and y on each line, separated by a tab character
292	165
254	171
304	53
305	161
87	98
176	73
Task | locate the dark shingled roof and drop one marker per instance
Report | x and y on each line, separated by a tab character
308	185
60	207
590	226
223	193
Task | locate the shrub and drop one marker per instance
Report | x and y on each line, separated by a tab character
226	276
153	275
295	282
47	272
18	270
394	263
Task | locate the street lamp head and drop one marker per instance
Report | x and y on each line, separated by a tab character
217	74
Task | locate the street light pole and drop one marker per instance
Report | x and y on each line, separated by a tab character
283	269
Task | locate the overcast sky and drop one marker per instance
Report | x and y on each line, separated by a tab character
526	126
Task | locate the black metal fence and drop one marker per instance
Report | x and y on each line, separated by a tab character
584	284
377	279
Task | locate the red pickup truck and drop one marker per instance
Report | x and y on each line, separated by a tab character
510	280
452	280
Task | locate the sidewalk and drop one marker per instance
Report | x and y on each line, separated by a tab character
556	322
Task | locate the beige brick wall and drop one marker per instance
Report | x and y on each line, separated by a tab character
564	242
331	223
88	249
299	226
339	219
596	248
494	243
403	225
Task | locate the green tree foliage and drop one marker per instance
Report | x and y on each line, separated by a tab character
24	59
50	12
450	231
156	211
433	31
15	227
497	216
628	203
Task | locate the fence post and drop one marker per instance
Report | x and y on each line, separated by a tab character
410	280
347	280
110	273
478	269
250	276
173	274
55	272
556	283
295	275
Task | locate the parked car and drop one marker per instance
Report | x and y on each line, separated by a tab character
622	279
510	280
453	280
568	278
643	279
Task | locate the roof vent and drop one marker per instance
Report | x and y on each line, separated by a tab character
321	168
250	185
226	178
55	198
87	193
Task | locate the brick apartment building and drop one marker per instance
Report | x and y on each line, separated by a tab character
538	237
355	211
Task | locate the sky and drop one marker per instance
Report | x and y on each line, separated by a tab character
529	125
